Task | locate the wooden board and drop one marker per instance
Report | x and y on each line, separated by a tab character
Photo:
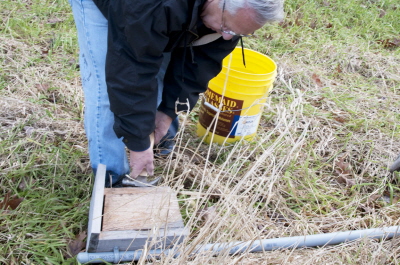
133	240
96	207
133	218
140	209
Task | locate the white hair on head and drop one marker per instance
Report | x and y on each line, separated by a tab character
265	10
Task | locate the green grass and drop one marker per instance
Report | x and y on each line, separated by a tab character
336	97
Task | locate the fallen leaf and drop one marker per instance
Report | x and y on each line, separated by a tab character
283	24
10	202
382	13
346	181
389	44
208	213
76	245
338	68
340	119
316	79
343	168
317	101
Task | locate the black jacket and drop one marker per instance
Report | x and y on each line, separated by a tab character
138	34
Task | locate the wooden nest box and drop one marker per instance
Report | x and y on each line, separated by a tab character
131	218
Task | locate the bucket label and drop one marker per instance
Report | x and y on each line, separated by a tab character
245	125
230	109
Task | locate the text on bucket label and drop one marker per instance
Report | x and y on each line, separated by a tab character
229	123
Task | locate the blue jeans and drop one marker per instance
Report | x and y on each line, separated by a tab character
104	146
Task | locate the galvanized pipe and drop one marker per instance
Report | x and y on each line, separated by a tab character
247	246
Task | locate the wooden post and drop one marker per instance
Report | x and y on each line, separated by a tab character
96	208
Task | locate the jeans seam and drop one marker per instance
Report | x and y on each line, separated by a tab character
100	154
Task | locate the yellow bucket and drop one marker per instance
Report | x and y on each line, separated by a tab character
236	96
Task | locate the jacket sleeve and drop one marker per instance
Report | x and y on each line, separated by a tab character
188	74
134	56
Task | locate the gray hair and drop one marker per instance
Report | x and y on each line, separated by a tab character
266	10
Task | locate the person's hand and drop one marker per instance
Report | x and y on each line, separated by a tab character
141	161
163	121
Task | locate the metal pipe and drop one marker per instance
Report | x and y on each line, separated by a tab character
248	246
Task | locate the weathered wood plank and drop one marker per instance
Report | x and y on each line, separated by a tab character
133	240
96	209
140	209
132	218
